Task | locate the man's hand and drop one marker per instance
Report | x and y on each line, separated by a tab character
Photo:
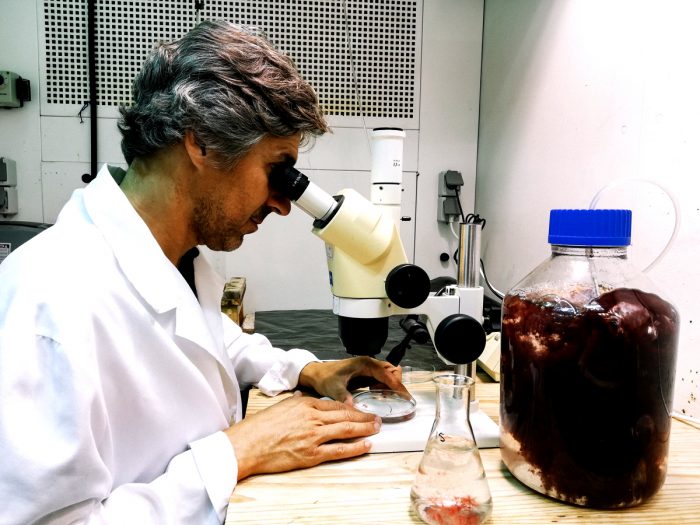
299	432
335	378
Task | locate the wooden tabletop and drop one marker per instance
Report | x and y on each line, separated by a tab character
374	489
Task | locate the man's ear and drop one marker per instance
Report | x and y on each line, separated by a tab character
197	152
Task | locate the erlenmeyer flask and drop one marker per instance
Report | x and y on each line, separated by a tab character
450	487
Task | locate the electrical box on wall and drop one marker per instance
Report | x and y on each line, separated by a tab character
8	201
14	90
449	185
8	172
8	186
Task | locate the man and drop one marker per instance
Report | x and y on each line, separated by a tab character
119	377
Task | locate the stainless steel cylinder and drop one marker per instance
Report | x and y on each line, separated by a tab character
469	258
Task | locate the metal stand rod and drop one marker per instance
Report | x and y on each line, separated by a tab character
468	266
469	261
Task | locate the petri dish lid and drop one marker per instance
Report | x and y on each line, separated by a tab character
389	405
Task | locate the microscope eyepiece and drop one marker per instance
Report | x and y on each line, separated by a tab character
297	187
289	181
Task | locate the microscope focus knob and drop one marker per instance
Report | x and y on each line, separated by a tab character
407	285
460	339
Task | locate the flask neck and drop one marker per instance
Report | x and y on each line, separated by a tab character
452	404
619	252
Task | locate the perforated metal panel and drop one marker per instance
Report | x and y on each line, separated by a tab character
376	76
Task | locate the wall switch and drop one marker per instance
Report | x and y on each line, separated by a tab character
448	209
448	182
8	172
8	200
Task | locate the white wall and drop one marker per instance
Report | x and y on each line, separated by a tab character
577	94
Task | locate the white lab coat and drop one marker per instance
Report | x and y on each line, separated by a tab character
115	382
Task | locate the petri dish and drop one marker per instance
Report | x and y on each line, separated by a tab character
389	405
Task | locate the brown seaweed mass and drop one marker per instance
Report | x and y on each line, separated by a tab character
588	393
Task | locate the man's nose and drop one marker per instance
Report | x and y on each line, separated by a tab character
280	204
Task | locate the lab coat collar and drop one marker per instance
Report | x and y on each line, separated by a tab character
140	256
152	274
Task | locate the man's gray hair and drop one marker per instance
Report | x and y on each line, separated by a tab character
227	85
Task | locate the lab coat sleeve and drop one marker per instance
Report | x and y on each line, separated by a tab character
257	362
195	488
176	497
55	452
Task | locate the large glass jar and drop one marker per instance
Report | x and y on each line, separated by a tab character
588	358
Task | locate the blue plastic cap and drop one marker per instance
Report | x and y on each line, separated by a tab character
590	227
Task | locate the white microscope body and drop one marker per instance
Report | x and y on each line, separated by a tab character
370	276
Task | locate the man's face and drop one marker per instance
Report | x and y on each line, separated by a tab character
229	204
